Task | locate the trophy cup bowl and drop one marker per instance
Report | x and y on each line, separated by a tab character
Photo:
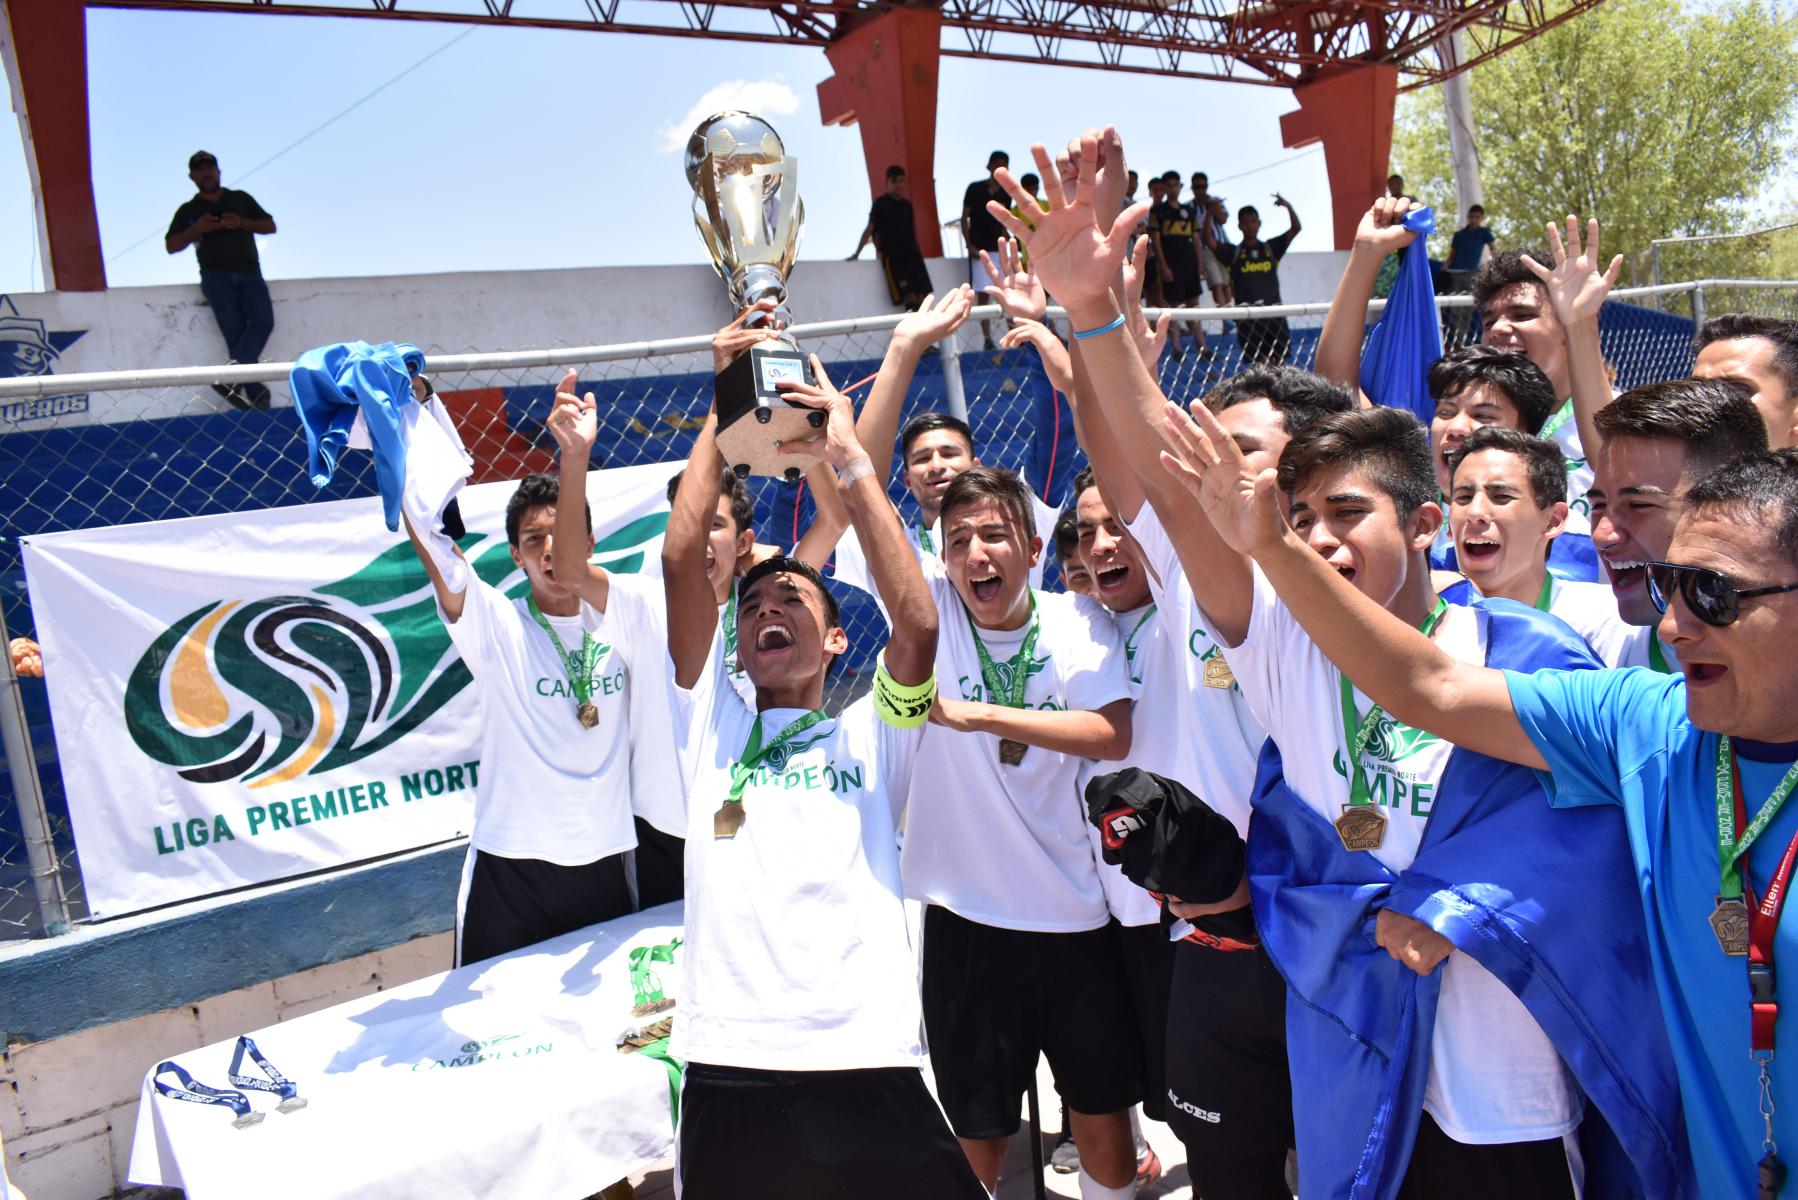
746	205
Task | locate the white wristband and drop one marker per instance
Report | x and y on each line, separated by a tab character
861	468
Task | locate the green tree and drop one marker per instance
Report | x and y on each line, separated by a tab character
1660	119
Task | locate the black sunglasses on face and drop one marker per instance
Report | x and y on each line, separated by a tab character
1712	596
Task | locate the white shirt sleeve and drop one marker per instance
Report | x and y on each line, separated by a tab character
1091	661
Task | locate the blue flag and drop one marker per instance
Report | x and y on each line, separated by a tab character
1408	337
331	384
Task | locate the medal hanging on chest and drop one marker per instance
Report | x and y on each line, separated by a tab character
1730	919
1218	673
1006	682
1362	826
729	818
578	667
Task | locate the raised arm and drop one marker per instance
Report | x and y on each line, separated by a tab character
877	429
1380	233
1394	664
692	606
829	518
1577	291
1080	265
1292	217
910	654
575	424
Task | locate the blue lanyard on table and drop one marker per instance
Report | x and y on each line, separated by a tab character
199	1093
276	1083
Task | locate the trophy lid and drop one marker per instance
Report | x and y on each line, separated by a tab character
735	137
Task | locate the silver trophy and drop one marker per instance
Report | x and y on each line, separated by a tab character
746	204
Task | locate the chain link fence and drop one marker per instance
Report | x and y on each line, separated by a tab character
130	447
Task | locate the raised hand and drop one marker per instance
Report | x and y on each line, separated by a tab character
1068	252
1576	289
1150	341
1110	176
1204	459
837	444
1056	363
1382	230
936	319
27	658
575	419
1019	292
730	342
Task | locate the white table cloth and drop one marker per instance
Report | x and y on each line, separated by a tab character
500	1079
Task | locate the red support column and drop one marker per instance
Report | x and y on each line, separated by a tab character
885	82
1350	112
46	63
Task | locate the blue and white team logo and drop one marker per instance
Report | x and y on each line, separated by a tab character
29	347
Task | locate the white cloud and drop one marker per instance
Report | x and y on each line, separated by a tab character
764	97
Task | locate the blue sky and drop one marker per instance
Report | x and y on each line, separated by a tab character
526	149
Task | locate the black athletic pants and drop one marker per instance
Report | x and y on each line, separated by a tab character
1444	1169
661	866
817	1135
510	903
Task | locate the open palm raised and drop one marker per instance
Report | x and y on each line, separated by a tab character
1205	460
1073	259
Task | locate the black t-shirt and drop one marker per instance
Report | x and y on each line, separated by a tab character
1254	270
894	230
223	249
1174	222
984	230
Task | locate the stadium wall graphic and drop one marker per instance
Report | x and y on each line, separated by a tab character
247	697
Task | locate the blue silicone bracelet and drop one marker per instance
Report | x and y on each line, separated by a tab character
1115	323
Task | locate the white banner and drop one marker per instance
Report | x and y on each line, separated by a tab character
246	697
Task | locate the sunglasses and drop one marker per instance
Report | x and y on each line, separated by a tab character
1712	596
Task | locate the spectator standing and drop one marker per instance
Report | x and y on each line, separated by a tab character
893	230
980	230
1215	248
1471	245
1255	277
1395	186
1151	292
221	224
1171	225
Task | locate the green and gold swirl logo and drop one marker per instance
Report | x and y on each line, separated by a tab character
266	691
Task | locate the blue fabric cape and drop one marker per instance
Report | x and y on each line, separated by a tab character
1395	364
331	384
1544	899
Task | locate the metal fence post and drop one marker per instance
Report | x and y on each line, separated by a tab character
950	348
1697	313
28	794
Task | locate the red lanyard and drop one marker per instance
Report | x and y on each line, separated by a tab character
1763	923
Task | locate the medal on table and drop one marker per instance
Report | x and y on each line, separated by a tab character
1361	827
1218	673
1006	682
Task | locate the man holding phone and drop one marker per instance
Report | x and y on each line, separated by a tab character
222	224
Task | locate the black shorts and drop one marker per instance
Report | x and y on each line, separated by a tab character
509	903
1268	340
822	1135
996	999
1149	973
661	866
1228	1090
906	276
1441	1168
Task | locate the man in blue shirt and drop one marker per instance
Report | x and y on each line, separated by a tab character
1671	751
1467	249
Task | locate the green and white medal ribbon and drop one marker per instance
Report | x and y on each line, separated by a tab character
1362	826
729	817
1548	593
1729	921
577	666
1005	683
1553	425
1130	643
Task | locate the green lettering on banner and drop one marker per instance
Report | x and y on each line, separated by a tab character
301	814
474	773
359	796
377	792
277	815
258	816
434	782
410	788
163	847
452	776
322	809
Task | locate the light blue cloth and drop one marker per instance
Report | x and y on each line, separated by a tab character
1541	899
331	384
1622	737
1395	364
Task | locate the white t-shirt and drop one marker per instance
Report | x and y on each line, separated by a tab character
1204	734
1007	846
1579	474
797	954
1637	650
1494	1075
1590	610
549	788
852	564
636	618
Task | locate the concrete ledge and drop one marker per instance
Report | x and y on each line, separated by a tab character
127	968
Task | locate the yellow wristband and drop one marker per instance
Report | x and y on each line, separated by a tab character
902	705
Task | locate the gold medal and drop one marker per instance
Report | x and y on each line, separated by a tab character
1361	827
1218	673
588	715
1011	753
728	819
1729	921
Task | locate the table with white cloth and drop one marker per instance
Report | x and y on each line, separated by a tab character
499	1079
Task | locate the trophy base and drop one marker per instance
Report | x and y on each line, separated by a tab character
755	420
